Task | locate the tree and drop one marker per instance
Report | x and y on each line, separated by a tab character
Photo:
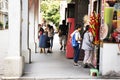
50	10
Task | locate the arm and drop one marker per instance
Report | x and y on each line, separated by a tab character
78	37
91	37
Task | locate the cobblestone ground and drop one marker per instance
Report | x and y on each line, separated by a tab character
3	48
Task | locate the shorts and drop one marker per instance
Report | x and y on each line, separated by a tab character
63	38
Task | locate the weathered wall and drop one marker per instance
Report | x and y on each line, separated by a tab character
81	10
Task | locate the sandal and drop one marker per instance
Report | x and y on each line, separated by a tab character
75	64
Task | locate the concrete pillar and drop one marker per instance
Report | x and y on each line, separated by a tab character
32	28
39	13
36	25
14	62
25	40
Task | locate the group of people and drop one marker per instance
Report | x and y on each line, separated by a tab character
85	42
46	36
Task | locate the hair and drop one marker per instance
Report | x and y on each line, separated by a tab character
63	21
78	26
87	27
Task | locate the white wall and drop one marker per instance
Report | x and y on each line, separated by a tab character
63	5
110	59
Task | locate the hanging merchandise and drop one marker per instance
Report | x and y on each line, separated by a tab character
95	26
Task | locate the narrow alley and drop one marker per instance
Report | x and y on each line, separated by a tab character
95	23
54	65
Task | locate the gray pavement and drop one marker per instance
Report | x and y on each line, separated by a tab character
3	48
45	66
54	66
51	66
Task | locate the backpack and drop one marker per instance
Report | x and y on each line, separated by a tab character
74	42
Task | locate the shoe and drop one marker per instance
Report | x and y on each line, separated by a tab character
49	51
85	65
90	65
61	47
75	64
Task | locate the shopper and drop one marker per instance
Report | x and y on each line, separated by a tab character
78	39
50	31
87	46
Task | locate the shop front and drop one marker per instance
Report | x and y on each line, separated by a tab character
110	37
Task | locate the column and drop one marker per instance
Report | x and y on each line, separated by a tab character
32	28
14	62
25	24
36	25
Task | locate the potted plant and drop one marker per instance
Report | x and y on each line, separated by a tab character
1	25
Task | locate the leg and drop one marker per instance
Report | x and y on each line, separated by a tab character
51	43
90	57
65	40
41	50
61	42
76	54
86	56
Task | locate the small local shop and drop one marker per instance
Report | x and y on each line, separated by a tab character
110	37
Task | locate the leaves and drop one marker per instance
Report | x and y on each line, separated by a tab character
50	10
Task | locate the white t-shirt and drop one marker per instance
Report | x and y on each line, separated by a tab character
77	35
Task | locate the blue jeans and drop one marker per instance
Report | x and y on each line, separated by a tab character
76	53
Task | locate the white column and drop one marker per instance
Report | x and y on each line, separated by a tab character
39	13
14	61
32	28
36	25
25	23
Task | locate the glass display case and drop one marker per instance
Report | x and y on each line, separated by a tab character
110	31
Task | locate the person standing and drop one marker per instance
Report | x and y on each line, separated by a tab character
78	39
62	33
50	31
40	32
88	47
44	41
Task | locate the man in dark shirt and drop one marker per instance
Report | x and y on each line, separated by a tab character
63	30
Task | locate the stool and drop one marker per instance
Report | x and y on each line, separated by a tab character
94	72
